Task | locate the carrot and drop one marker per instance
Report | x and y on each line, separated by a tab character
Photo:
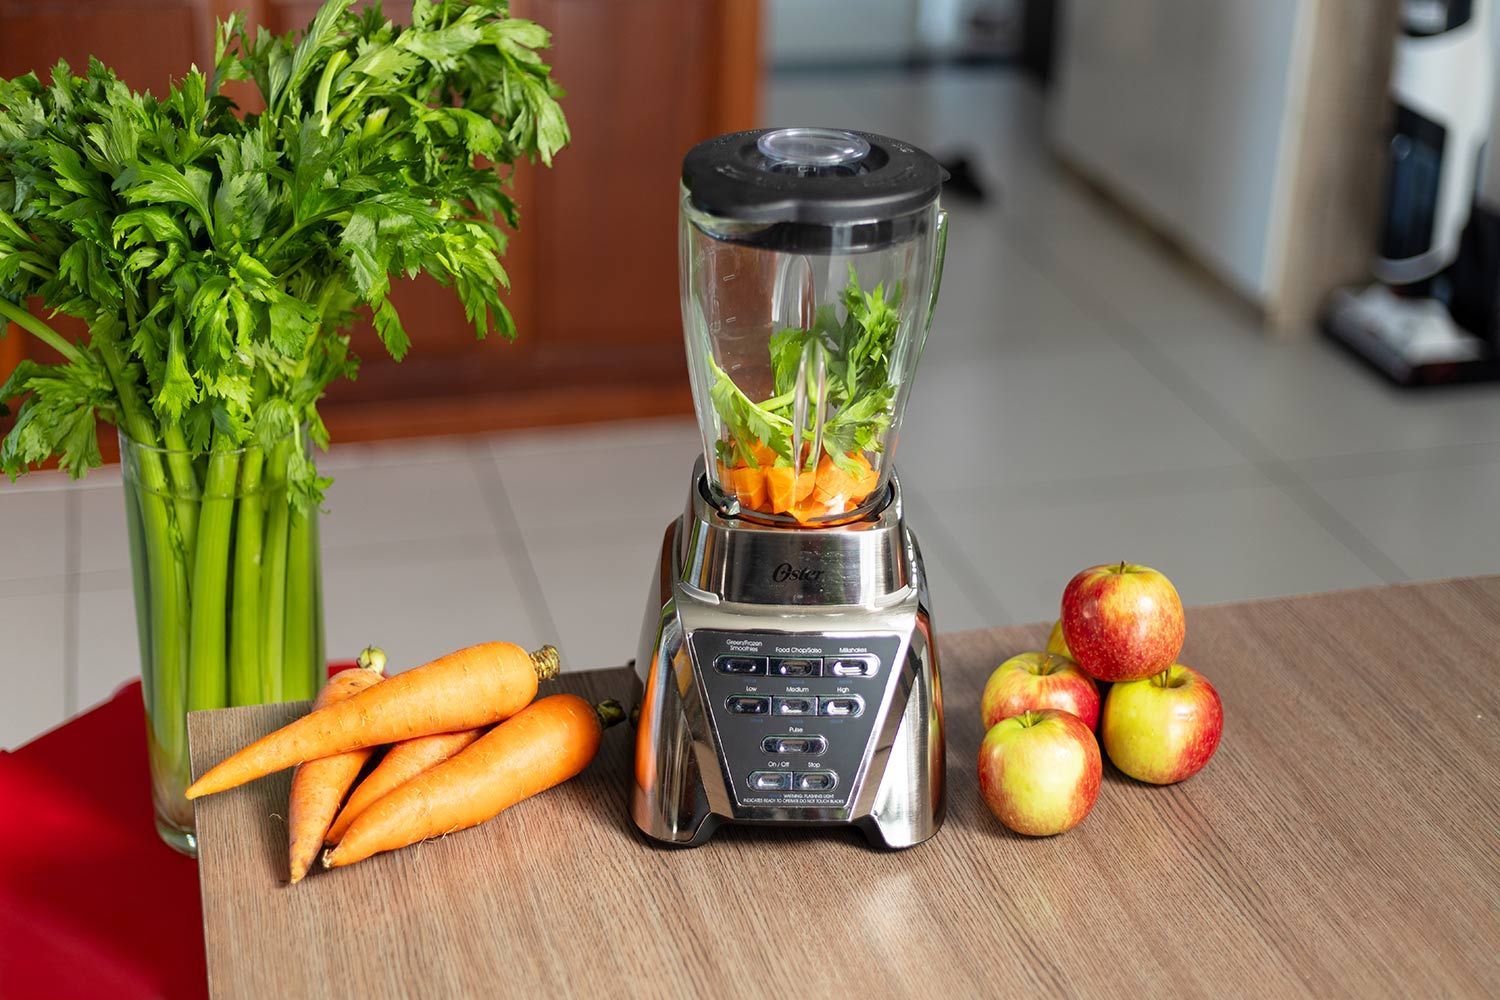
543	745
472	687
749	486
400	764
318	786
765	455
786	488
834	486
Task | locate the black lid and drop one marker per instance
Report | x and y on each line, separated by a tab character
815	176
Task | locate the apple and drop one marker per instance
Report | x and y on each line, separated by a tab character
1039	772
1032	681
1122	622
1164	728
1055	641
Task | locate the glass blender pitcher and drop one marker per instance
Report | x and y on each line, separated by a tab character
788	670
810	263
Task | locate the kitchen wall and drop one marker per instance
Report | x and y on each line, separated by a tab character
840	31
802	34
1490	182
1185	110
1251	132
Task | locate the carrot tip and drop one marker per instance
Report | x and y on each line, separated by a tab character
547	662
328	858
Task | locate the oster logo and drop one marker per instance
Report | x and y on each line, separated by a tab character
786	571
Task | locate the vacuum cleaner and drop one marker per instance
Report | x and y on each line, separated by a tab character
1432	316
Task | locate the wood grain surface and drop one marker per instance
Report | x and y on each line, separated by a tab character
1345	841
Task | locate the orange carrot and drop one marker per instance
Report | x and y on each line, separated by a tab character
400	764
786	488
543	745
749	486
473	687
318	786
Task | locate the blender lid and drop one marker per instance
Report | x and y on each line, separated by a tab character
818	176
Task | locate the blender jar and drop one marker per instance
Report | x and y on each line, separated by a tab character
810	262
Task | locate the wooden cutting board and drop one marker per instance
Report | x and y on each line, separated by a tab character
1344	841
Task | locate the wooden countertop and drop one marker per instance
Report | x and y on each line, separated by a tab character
1344	841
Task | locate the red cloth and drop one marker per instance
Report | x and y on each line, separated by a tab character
92	903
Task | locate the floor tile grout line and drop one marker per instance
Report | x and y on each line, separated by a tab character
72	562
1238	436
1439	460
1090	488
512	540
932	527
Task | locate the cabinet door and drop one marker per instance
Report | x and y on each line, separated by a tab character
594	267
602	223
147	42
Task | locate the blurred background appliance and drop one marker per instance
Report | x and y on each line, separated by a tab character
1430	315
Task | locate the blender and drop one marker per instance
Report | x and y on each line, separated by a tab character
787	669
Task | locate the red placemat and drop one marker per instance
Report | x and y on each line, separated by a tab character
92	903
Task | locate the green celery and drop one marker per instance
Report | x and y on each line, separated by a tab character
245	686
208	675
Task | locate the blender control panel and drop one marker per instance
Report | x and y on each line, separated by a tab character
793	712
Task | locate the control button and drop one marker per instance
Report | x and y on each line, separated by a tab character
797	667
796	706
841	707
853	666
771	781
811	745
746	705
815	781
741	664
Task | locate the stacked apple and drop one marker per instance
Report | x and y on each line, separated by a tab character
1039	765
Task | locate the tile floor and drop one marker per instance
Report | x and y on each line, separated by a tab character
1083	398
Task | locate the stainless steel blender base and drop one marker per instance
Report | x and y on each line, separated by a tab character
788	677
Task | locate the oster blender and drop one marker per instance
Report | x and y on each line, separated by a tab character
788	671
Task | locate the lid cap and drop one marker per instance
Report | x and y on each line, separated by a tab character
809	175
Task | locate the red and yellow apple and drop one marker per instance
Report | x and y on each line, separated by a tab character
1164	728
1123	622
1039	772
1030	682
1056	643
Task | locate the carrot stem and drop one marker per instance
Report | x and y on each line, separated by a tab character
547	661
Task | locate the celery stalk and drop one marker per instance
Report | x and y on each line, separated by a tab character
299	671
273	575
208	674
165	569
245	687
185	492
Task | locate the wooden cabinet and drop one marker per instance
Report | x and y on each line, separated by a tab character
594	267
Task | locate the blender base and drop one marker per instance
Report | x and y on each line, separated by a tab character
788	677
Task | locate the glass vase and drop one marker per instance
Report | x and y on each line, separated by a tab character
228	596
